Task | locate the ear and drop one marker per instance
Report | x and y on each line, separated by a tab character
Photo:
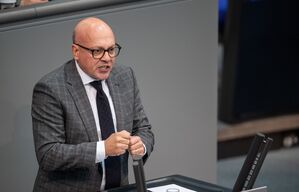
75	52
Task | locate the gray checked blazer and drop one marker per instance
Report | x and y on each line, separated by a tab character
65	133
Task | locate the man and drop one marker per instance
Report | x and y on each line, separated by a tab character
67	115
31	2
7	4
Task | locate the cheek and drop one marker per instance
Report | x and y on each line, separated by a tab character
90	67
86	65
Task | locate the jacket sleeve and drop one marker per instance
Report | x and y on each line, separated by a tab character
50	137
141	125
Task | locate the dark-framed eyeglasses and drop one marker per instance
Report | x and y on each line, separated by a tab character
99	53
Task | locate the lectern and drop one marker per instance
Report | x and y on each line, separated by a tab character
187	182
247	176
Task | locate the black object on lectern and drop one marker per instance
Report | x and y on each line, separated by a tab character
253	162
139	175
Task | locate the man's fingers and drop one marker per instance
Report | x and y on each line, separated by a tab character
136	146
124	134
122	146
139	151
122	141
134	140
117	143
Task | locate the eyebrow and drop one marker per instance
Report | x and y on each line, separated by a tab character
98	47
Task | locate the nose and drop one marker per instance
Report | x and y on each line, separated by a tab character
106	56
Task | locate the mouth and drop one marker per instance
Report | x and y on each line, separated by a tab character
104	68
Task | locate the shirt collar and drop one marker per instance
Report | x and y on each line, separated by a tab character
86	79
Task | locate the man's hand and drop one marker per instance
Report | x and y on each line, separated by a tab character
136	147
117	143
30	2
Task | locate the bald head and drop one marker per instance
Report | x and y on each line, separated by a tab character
88	28
93	36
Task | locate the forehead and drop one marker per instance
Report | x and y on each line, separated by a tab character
96	34
99	39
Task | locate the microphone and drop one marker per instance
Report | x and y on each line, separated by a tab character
139	174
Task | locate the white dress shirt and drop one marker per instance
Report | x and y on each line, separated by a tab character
91	94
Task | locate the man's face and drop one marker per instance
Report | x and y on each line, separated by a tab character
98	68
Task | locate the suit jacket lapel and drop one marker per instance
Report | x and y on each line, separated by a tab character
78	92
114	85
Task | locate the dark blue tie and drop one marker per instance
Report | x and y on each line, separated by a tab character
112	164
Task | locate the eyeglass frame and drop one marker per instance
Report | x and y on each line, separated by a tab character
104	50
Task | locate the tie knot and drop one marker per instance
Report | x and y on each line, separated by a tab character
97	85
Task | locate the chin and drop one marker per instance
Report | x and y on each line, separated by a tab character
102	76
